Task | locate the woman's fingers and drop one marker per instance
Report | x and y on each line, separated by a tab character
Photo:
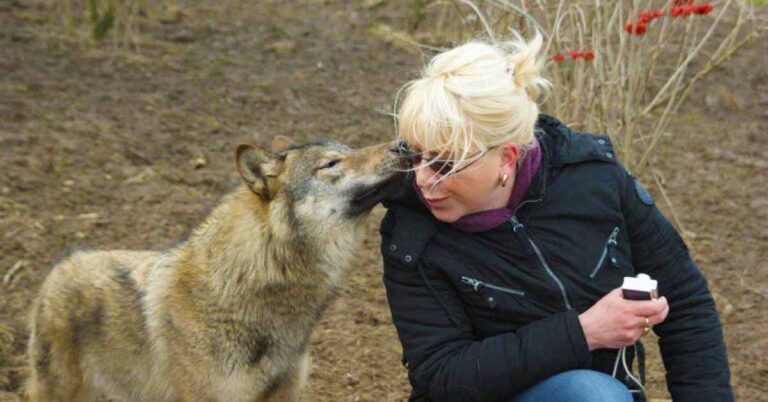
653	319
659	318
647	308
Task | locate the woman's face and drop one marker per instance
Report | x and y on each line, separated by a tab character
474	189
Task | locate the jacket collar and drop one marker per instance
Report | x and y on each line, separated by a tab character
562	146
565	146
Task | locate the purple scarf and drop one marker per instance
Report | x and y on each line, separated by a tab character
487	220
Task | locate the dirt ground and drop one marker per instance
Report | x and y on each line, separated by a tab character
112	149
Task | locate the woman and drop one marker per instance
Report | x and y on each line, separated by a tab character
504	255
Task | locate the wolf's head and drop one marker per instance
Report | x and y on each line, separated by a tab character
320	185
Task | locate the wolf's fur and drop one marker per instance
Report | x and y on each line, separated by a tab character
225	316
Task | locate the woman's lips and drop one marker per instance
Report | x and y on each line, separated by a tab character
433	202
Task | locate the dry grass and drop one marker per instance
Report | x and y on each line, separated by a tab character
606	79
630	90
118	23
6	343
635	83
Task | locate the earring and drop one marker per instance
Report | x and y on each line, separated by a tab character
503	180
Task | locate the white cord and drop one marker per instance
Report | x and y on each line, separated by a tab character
616	363
622	355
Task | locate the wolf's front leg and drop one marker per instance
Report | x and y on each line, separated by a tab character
290	386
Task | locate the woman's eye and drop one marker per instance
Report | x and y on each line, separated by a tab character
330	164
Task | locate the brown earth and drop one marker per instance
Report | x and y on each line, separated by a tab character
104	149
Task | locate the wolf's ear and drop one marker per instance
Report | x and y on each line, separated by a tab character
255	166
281	143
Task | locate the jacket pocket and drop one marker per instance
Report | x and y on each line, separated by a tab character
478	285
608	253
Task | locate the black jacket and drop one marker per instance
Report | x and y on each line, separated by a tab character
482	316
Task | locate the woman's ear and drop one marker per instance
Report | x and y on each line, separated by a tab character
510	153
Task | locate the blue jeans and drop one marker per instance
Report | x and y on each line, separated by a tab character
576	386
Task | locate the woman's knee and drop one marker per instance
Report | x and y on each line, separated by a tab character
577	386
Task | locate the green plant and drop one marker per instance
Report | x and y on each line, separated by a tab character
101	21
418	13
117	19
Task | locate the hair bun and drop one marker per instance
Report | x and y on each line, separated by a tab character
525	64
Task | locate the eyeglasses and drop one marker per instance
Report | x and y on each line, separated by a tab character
445	167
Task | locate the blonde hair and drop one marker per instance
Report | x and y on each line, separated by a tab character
474	97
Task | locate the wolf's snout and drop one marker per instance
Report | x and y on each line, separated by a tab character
386	166
400	148
400	151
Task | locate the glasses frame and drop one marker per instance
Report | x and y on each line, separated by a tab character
438	166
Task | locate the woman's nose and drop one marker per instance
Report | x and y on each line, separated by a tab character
425	177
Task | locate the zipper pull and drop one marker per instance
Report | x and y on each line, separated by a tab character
611	250
519	230
614	234
472	282
515	223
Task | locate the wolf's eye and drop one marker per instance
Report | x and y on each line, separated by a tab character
330	164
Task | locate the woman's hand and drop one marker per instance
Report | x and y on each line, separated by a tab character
614	322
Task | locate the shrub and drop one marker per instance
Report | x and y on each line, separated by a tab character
618	67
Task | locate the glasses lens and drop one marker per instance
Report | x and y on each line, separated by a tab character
445	166
441	167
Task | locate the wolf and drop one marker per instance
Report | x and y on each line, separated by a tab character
227	314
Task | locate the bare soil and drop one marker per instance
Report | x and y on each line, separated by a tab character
106	148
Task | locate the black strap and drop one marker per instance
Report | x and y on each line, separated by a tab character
640	351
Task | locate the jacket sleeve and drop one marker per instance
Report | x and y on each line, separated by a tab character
691	338
444	359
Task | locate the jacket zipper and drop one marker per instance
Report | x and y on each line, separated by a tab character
516	225
476	284
610	242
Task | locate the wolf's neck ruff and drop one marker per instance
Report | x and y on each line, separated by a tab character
255	247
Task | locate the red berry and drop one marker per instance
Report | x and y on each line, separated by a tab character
558	58
575	54
659	13
589	55
675	12
628	28
646	16
704	8
641	28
